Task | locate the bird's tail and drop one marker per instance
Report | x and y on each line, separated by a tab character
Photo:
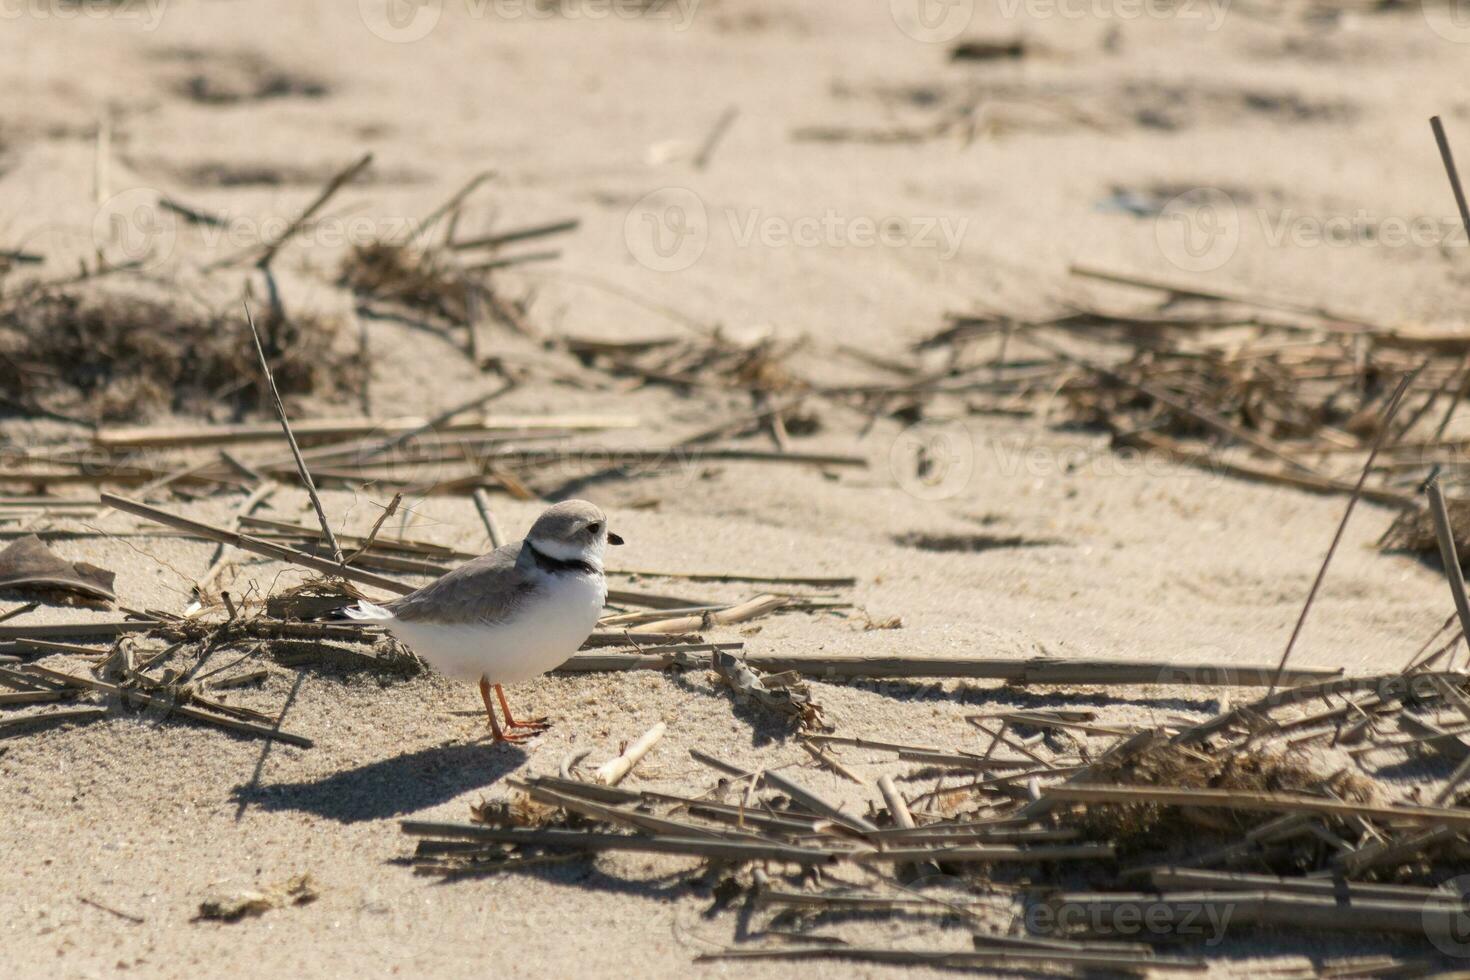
363	610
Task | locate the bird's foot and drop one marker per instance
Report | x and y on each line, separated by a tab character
534	724
514	738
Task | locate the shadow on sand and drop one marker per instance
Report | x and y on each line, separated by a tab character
393	787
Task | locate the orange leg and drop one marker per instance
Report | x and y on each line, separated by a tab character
538	724
497	734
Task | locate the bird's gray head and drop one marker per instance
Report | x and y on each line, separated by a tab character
573	530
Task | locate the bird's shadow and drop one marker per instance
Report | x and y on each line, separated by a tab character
394	787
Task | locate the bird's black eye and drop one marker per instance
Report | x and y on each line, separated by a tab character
595	528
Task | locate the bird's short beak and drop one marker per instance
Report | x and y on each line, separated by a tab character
614	538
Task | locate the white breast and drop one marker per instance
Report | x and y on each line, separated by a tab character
543	632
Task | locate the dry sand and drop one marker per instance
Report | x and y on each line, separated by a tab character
1053	546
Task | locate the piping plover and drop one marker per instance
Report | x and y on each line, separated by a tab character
510	615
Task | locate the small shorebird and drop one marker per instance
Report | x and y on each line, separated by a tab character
511	615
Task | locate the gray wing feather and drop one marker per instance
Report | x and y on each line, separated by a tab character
488	590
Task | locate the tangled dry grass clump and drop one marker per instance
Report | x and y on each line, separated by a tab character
400	274
1149	828
111	356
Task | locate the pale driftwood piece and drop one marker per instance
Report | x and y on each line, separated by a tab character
587	841
1266	802
1388	416
302	471
839	581
182	710
898	809
613	771
652	658
487	517
1234	909
1021	960
1192	879
106	627
17	681
32	645
14	726
9	699
989	853
742	613
240	680
1034	671
625	620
